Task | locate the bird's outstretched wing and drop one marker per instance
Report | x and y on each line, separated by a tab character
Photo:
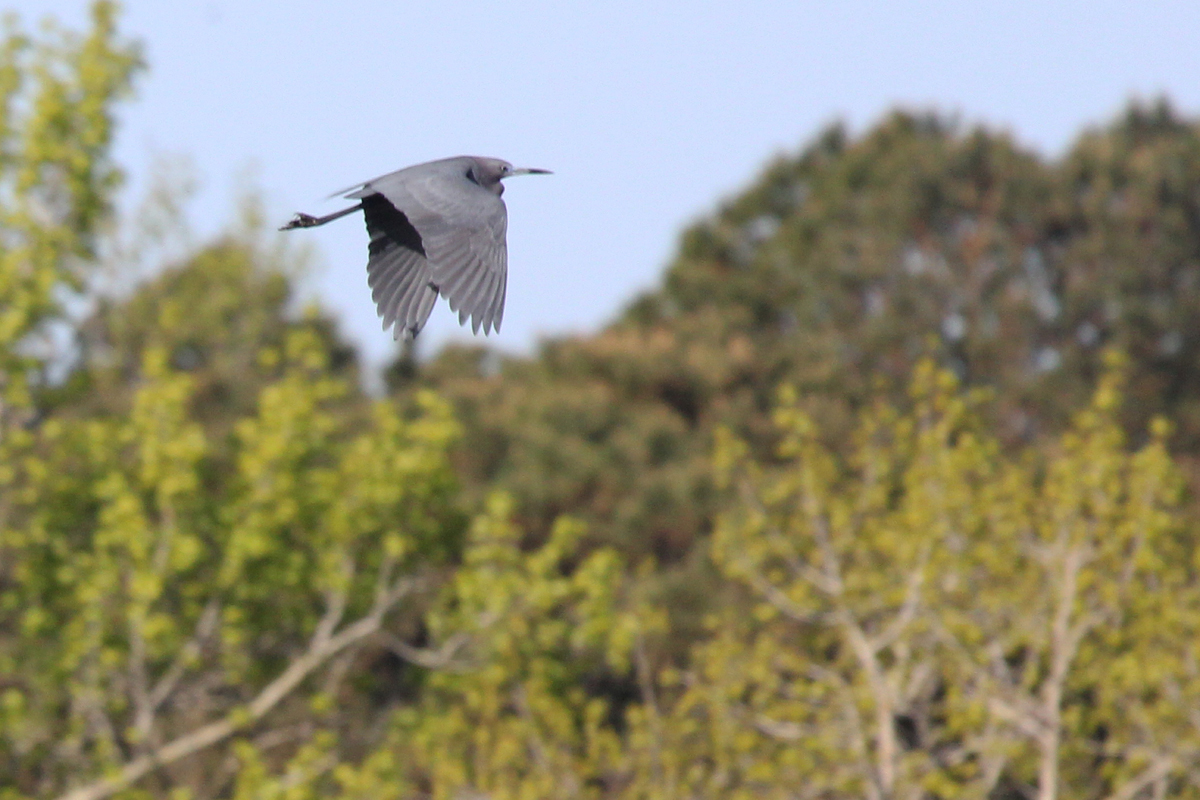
462	229
398	273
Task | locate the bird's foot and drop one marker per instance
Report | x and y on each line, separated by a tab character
301	221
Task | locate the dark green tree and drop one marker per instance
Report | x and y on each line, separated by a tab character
214	314
837	270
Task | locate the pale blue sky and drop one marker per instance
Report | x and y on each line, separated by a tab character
649	112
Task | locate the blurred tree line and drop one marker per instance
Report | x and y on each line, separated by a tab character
885	492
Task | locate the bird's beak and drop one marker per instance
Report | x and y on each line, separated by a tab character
530	171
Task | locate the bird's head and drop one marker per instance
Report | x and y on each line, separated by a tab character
489	172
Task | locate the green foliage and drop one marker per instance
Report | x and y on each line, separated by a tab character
613	447
213	314
56	179
953	557
509	716
858	257
145	597
937	617
919	612
837	270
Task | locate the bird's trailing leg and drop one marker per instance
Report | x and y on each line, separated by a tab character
309	221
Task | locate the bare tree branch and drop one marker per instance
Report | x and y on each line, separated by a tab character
1159	769
780	729
1027	720
335	605
320	650
822	582
441	658
908	610
205	627
143	715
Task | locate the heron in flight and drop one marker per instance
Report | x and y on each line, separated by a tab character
436	229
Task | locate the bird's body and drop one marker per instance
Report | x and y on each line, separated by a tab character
436	229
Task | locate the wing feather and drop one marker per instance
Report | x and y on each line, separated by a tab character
425	305
390	274
500	304
489	300
396	296
410	301
471	289
463	230
399	274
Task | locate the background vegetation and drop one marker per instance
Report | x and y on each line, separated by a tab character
887	491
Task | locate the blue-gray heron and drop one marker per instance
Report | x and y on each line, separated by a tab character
436	229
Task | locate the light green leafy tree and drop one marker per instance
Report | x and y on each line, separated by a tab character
509	715
57	98
1071	617
159	622
939	617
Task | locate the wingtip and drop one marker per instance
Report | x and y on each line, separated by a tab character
347	190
